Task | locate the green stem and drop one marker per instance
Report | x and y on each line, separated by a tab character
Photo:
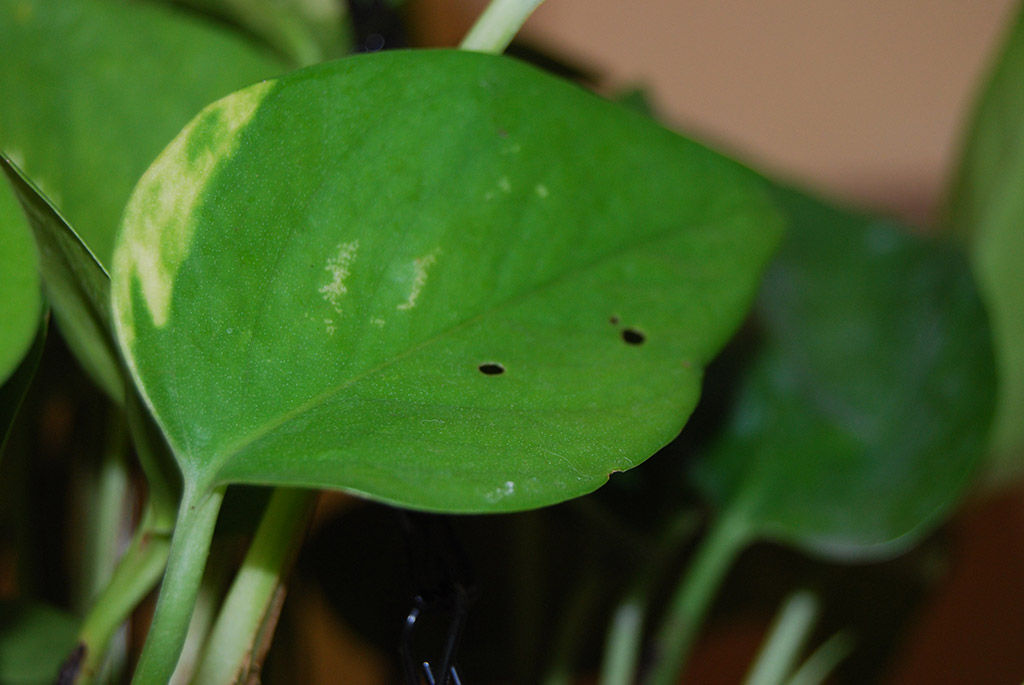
220	566
135	576
190	546
787	638
824	660
105	513
249	603
625	631
692	597
498	25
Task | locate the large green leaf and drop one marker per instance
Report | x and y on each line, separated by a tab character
20	299
986	204
93	90
868	403
77	286
34	639
440	279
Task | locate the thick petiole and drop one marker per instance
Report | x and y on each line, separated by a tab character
189	548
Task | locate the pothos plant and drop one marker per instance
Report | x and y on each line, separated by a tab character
446	281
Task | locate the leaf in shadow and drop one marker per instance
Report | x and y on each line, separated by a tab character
12	392
75	283
869	402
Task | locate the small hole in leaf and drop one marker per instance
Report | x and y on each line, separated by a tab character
614	321
492	369
633	336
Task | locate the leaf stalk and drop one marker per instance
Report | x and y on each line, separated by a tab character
190	546
624	639
692	597
789	632
250	601
498	25
135	576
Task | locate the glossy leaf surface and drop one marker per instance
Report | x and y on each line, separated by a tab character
76	285
20	297
439	279
987	206
34	639
868	403
94	89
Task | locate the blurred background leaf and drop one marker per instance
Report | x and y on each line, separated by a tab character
986	208
34	639
869	398
84	78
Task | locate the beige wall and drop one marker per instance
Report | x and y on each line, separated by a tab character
863	98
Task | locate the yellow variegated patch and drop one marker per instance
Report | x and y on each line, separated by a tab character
158	221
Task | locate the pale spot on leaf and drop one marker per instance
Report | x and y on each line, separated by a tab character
506	490
421	265
339	267
542	191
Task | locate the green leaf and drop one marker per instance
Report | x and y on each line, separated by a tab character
867	405
20	297
438	279
78	289
34	639
303	31
94	89
986	205
163	478
76	285
13	390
